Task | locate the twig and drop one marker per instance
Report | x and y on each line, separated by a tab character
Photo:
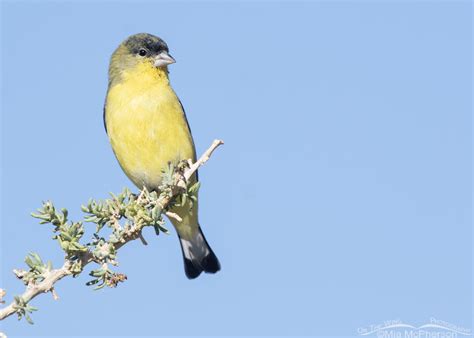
55	295
174	216
47	285
203	159
34	290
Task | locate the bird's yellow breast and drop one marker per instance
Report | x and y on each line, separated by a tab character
146	125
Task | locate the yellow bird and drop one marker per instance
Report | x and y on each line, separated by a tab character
147	127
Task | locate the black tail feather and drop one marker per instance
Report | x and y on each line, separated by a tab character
198	256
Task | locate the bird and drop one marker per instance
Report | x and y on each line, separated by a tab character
147	127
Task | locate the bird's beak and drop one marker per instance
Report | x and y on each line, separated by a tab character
163	59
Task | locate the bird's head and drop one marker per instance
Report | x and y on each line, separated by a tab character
141	49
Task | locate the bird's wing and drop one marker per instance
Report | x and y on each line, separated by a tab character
103	117
190	133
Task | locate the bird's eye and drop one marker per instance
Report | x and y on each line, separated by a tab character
142	52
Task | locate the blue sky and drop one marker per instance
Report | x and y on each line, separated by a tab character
342	197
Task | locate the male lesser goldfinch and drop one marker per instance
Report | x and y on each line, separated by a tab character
147	127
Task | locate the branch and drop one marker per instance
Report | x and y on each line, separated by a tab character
41	278
34	290
203	159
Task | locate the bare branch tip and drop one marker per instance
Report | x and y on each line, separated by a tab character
54	294
174	216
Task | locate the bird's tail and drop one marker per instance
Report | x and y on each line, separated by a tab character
198	256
